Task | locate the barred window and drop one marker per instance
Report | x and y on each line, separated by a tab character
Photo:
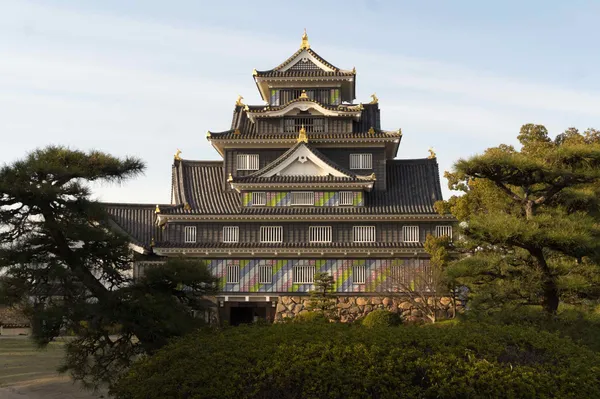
259	198
319	233
346	198
361	161
410	233
271	234
233	274
364	233
190	233
247	162
441	231
304	274
265	274
359	274
303	198
231	233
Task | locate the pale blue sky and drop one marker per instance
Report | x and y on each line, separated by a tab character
147	77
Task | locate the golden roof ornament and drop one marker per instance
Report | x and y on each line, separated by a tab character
152	242
208	135
302	138
303	94
360	107
374	100
157	209
239	102
372	176
230	178
431	153
354	70
237	131
254	72
246	108
187	207
304	45
177	155
371	130
400	131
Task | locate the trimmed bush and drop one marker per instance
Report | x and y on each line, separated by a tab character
469	360
310	317
382	318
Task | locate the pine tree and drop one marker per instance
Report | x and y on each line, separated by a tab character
530	219
56	250
322	299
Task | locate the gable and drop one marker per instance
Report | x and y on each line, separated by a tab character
303	162
301	60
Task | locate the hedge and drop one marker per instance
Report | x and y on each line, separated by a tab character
330	361
382	318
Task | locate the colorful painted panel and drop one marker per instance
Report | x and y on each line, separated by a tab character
322	198
379	275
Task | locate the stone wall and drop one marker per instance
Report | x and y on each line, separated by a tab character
351	308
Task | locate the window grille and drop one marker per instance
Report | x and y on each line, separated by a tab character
323	96
247	162
441	231
271	234
233	274
346	198
320	233
304	274
303	198
265	274
410	233
310	124
359	274
361	161
190	234
259	198
231	233
364	234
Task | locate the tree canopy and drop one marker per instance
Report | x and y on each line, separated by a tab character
58	255
530	219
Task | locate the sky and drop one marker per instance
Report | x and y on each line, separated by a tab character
146	77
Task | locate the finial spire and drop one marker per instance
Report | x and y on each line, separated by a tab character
177	155
374	99
302	138
304	45
239	102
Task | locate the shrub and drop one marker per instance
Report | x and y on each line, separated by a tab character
310	317
334	360
382	318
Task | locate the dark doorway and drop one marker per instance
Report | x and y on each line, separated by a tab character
246	315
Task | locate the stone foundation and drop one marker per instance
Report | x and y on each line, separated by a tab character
351	308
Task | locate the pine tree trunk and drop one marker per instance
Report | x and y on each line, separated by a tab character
550	298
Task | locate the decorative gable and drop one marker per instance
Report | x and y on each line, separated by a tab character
304	64
303	162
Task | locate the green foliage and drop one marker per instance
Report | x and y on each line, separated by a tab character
334	360
530	220
322	298
382	318
310	317
57	248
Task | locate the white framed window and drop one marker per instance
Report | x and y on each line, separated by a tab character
259	198
441	231
304	274
247	162
346	198
359	274
364	233
319	233
361	161
233	274
303	198
190	234
231	233
271	234
410	233
265	274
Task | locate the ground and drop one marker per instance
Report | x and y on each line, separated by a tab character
29	373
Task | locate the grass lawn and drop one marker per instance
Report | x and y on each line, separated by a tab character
31	373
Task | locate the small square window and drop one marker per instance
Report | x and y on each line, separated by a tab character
346	198
247	162
190	234
233	274
361	161
265	274
231	233
441	231
410	233
259	198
